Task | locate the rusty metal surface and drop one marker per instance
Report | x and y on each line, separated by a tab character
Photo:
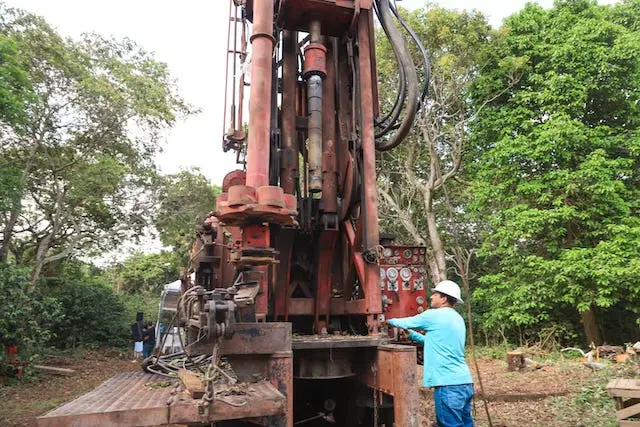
308	342
262	43
280	370
336	15
251	338
370	203
127	399
394	373
122	400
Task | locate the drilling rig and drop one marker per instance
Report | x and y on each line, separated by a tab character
291	280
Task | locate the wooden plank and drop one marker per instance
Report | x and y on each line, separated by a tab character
630	411
620	392
625	423
192	383
53	370
627	383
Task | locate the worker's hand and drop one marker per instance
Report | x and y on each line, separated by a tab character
403	334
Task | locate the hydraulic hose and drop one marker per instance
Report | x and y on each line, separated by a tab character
406	62
423	53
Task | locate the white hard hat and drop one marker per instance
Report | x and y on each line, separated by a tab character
450	288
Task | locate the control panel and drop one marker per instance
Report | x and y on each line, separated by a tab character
403	273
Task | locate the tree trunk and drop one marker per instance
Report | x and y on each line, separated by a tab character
437	247
591	331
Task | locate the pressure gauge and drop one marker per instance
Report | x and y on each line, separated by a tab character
405	274
388	252
407	253
392	274
415	258
420	300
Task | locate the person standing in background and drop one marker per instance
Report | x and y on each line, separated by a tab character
149	340
136	336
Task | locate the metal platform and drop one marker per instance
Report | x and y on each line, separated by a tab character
140	399
312	342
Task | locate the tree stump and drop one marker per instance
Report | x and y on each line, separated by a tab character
515	361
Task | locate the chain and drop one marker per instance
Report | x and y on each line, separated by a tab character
210	394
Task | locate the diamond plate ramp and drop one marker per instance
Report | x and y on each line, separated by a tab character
135	399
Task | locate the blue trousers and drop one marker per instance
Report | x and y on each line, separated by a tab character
453	405
147	350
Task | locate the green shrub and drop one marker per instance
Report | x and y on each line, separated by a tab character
93	312
26	316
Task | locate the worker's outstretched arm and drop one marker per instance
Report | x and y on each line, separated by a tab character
422	321
416	336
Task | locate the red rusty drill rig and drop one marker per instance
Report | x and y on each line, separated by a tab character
289	287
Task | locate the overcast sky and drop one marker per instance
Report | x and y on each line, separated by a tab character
190	36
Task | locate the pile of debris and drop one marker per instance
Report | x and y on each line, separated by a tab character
614	353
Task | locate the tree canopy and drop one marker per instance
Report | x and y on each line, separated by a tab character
82	158
556	178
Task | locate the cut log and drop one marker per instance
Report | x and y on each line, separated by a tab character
515	361
192	383
53	370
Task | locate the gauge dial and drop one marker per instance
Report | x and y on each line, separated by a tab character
405	274
392	274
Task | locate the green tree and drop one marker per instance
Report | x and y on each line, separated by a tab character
147	273
557	181
412	177
185	200
15	86
85	151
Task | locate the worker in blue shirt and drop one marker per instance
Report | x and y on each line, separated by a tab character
445	368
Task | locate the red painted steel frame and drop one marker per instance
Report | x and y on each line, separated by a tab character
370	203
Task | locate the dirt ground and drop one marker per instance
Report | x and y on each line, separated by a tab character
540	397
23	402
518	398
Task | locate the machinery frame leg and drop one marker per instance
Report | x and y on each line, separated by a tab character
394	372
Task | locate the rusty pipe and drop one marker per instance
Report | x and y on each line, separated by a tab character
262	42
315	71
329	162
314	99
289	162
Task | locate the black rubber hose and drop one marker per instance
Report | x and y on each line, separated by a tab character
400	94
404	58
423	53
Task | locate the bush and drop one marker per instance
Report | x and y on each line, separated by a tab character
26	316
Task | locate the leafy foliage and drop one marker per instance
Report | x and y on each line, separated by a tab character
85	149
26	317
185	200
15	87
557	180
142	273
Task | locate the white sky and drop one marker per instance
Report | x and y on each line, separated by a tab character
190	36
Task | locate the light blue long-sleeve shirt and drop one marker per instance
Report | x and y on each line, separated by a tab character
444	362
